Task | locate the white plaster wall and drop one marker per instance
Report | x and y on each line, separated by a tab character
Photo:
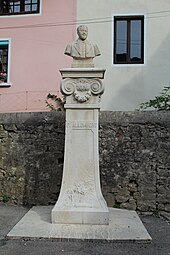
129	85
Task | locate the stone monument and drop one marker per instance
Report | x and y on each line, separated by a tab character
80	200
81	211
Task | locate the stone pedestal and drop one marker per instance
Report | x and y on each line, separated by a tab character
80	200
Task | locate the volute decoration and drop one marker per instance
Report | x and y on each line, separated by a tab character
82	88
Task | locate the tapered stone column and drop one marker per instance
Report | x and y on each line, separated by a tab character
80	200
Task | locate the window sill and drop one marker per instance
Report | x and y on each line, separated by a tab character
5	84
20	15
128	65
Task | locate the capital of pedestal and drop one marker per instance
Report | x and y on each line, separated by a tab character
82	73
82	85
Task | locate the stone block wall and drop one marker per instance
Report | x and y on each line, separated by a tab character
31	157
134	158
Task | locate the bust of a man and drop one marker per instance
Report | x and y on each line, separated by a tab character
82	51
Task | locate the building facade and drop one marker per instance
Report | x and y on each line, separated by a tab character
133	37
129	84
33	36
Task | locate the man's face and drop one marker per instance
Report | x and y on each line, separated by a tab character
82	32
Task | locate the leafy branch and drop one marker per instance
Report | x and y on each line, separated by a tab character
55	103
160	103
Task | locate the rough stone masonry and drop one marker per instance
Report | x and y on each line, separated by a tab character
134	158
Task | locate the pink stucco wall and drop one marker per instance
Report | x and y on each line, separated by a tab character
37	54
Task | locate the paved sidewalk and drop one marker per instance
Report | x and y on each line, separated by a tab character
158	228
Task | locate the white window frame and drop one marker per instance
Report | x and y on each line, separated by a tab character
8	83
23	15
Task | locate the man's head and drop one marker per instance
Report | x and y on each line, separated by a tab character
82	32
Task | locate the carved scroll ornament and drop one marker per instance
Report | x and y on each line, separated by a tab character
82	88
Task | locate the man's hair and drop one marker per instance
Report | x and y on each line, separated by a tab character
79	27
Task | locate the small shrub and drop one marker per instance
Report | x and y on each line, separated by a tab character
5	199
116	205
156	213
160	103
55	103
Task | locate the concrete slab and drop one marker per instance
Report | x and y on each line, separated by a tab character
123	225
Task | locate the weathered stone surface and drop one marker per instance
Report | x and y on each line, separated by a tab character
31	157
134	156
122	196
167	207
130	205
161	207
81	200
110	199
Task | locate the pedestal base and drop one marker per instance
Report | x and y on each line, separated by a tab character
123	225
84	216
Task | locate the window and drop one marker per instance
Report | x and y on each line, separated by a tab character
129	40
15	7
4	53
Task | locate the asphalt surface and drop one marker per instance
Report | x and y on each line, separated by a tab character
158	228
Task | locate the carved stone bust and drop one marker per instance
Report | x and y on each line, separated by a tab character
81	50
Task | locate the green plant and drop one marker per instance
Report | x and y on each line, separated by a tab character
116	205
160	103
5	199
55	103
156	213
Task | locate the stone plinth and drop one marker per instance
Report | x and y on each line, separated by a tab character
123	225
80	200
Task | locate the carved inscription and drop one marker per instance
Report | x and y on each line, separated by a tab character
81	124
